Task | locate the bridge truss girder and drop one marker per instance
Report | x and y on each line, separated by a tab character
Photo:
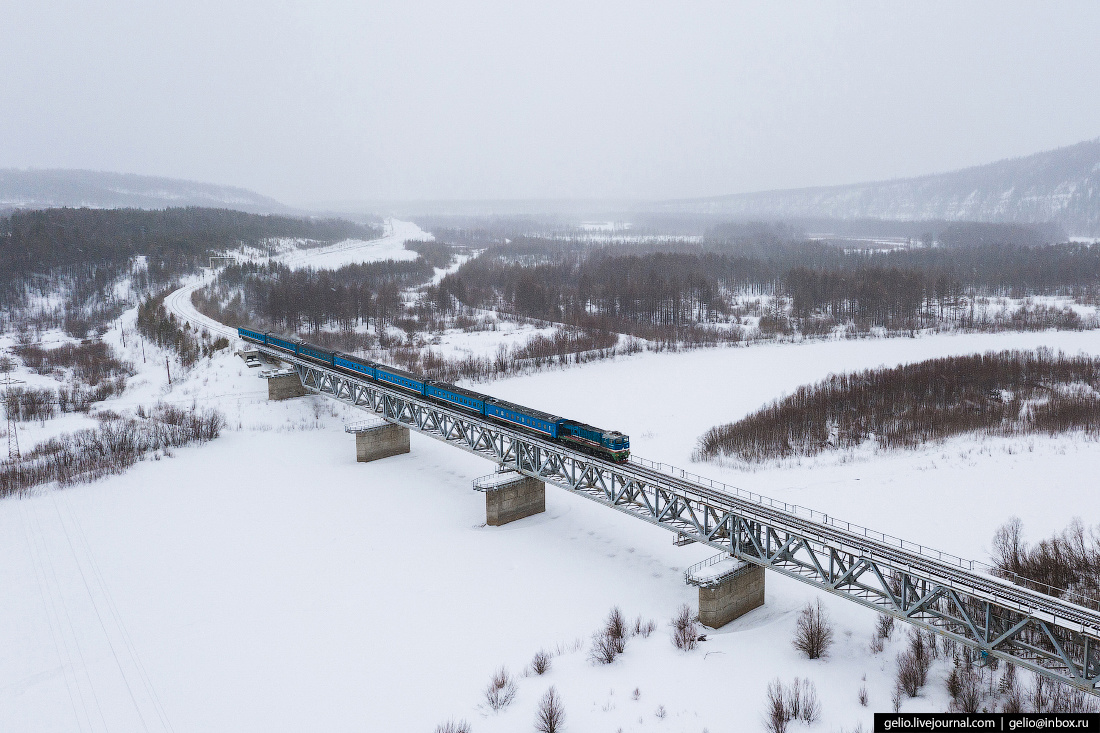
975	615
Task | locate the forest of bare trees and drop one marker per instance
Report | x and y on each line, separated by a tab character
660	289
1068	561
1007	392
60	268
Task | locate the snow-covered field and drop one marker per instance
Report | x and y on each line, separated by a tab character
268	582
391	246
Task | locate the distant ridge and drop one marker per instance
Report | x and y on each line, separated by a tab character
36	189
1060	186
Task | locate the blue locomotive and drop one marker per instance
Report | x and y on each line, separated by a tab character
607	444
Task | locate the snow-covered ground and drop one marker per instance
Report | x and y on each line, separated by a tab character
390	246
268	582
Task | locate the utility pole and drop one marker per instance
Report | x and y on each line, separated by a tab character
6	365
167	369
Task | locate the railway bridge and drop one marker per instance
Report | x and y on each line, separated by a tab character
1047	631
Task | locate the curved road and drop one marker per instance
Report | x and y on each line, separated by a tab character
179	303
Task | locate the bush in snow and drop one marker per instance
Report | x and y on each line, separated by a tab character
501	690
913	664
685	629
616	625
452	726
813	634
550	717
787	704
885	626
644	628
540	663
775	713
605	648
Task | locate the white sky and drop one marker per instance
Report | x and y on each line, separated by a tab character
323	101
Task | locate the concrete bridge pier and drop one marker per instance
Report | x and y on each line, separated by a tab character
510	496
380	440
728	590
283	385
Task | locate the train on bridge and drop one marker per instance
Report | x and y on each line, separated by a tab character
607	444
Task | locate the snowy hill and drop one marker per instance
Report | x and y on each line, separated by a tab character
1061	186
23	189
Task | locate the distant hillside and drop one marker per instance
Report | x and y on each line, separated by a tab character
1060	186
36	189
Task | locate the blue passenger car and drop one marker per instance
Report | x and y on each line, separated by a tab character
399	377
313	352
351	363
249	335
456	395
281	343
541	422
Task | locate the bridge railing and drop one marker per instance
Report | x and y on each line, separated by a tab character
857	529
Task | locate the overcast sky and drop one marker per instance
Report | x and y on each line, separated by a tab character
327	101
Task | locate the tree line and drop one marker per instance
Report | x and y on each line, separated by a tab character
673	284
1007	392
272	295
109	448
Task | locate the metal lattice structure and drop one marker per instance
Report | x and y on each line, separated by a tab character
955	598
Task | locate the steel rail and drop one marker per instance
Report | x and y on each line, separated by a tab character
1048	635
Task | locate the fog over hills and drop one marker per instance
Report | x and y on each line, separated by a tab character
1060	186
36	189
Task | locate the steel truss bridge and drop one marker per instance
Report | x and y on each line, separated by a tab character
955	598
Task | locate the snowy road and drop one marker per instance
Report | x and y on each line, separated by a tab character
179	303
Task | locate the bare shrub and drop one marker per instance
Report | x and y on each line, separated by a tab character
540	664
895	698
453	726
685	629
908	675
660	712
604	648
784	704
809	707
550	717
814	631
792	700
501	690
863	695
1013	701
877	644
919	649
616	624
775	712
885	626
644	628
913	664
971	696
108	449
